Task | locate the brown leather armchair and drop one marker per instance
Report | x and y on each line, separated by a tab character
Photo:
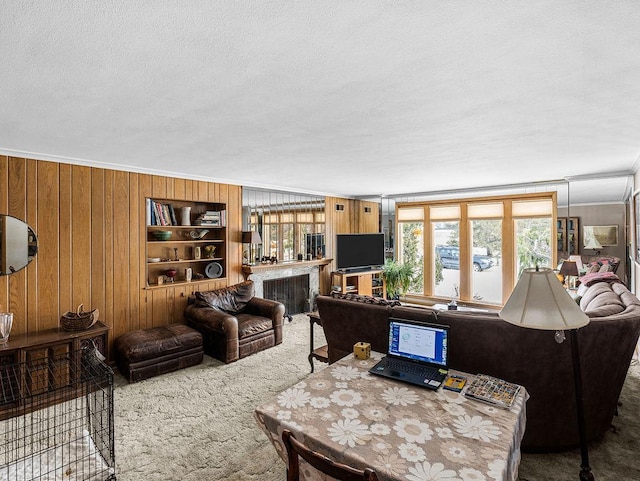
233	323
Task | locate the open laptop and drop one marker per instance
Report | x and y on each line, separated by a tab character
418	353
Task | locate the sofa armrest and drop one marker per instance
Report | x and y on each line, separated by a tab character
212	319
273	310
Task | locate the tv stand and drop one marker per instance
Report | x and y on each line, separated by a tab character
368	282
354	270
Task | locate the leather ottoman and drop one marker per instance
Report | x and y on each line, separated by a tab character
145	353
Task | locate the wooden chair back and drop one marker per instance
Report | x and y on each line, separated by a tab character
320	462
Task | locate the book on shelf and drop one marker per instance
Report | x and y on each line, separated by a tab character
212	218
492	390
160	214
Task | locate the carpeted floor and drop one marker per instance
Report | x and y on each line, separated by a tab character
197	424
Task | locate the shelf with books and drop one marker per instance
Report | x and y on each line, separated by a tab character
177	249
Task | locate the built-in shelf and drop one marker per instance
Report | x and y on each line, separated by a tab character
183	251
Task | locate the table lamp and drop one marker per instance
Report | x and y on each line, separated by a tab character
579	265
569	269
252	238
540	302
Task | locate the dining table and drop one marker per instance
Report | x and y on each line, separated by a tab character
404	432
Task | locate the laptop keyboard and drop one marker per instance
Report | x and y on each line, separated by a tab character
426	372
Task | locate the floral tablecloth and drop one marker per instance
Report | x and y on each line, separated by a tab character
403	432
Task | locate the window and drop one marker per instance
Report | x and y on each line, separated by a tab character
475	249
411	245
446	252
485	220
486	280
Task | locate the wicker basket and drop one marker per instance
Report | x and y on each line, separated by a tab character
79	320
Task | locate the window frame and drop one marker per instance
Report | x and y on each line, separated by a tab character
420	211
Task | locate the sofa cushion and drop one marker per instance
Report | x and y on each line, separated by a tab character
231	300
250	325
601	300
595	277
600	263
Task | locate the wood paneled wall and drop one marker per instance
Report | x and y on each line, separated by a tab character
367	216
349	218
90	224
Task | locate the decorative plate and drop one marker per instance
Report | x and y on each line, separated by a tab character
213	270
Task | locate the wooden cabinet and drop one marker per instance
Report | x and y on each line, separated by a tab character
50	343
182	236
568	233
43	364
368	283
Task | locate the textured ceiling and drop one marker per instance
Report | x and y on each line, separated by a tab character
339	97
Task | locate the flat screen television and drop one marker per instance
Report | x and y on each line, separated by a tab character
359	251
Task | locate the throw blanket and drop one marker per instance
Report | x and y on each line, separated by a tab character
75	460
593	277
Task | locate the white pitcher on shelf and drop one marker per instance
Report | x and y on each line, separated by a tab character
185	216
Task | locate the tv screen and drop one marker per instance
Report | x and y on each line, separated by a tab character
359	251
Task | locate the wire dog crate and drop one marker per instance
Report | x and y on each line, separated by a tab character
56	419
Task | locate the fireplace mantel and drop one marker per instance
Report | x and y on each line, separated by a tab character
247	270
261	272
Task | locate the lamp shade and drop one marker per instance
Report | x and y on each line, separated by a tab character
251	237
569	268
540	302
578	261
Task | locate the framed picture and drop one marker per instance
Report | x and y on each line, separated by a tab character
605	235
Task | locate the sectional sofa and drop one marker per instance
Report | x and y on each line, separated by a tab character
481	342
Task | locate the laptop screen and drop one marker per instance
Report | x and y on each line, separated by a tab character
418	341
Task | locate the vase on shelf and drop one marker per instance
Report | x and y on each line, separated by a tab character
170	274
185	216
6	322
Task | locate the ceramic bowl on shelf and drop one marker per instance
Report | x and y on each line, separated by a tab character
153	259
162	235
171	274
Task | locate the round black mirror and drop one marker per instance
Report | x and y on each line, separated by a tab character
18	244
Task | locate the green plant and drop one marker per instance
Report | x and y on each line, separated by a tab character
398	278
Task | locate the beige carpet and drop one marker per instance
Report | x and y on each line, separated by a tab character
197	424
